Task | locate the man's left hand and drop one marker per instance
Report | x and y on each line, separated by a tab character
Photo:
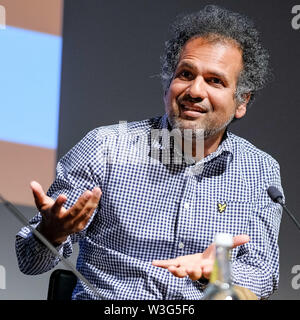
196	265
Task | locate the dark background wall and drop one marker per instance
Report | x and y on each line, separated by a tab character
110	73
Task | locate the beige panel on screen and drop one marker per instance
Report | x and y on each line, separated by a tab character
39	15
20	164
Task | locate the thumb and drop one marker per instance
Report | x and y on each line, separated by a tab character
40	197
237	241
209	252
240	240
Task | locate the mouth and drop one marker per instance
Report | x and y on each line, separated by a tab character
193	111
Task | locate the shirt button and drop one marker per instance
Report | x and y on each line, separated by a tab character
181	245
186	205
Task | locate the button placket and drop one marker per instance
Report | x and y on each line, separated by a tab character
184	215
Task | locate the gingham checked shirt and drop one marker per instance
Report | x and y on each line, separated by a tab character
152	210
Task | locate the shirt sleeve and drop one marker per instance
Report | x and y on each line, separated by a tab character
257	263
80	169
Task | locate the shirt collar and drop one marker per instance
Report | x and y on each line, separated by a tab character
225	147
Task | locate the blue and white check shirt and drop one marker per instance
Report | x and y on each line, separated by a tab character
151	210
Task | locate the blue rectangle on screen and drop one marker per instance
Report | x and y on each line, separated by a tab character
30	67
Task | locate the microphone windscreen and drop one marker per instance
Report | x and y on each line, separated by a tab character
274	194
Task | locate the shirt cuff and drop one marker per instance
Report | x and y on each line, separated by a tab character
37	247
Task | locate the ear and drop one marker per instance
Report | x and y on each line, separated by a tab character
242	108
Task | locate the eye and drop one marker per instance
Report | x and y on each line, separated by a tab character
215	81
185	74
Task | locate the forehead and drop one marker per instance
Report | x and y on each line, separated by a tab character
221	55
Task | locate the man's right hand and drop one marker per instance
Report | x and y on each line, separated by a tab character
57	222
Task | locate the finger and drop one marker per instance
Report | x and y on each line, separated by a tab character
240	240
194	272
210	252
58	204
79	205
40	197
90	206
165	263
206	271
179	272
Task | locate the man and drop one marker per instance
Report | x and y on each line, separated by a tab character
151	235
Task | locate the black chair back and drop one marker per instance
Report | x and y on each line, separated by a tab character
61	285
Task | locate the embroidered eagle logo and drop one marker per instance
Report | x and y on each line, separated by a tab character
222	207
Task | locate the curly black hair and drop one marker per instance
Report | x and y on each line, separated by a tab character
214	21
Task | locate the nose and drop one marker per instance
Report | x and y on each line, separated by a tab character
197	89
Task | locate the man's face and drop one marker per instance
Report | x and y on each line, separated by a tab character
202	92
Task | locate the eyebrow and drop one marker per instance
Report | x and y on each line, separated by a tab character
188	65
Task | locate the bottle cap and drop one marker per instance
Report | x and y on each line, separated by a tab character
224	240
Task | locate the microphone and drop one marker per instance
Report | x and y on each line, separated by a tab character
17	213
277	197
